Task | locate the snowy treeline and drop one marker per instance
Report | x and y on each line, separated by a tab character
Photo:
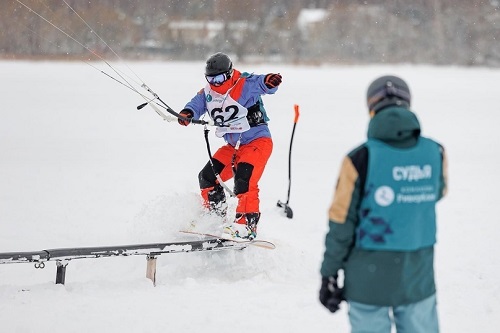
459	32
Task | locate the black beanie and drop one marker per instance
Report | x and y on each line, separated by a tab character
387	91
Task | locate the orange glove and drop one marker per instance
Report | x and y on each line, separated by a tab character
187	115
272	80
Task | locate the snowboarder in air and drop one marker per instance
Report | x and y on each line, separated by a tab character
233	99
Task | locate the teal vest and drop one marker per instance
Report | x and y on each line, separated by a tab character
397	211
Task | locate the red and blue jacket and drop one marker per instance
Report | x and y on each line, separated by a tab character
244	88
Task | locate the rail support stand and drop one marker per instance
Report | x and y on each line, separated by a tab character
61	272
151	268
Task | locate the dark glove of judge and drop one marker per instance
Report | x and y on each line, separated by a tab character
330	295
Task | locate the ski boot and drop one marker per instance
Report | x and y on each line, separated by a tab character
216	201
244	226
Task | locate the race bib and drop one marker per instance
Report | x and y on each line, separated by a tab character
223	109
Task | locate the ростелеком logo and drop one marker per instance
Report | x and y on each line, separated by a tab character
384	196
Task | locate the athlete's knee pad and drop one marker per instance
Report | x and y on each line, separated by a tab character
206	177
242	177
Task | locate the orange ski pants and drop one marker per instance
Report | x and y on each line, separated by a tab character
249	161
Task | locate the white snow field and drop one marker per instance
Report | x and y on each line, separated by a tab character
80	166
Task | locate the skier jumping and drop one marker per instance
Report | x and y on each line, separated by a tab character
233	99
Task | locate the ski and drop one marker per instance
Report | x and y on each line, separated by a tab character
254	242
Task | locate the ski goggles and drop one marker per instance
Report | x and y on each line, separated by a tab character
219	79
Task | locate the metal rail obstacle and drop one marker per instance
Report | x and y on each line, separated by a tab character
63	256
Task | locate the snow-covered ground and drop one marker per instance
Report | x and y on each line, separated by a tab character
80	166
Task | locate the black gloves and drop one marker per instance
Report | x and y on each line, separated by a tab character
187	114
272	80
330	295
